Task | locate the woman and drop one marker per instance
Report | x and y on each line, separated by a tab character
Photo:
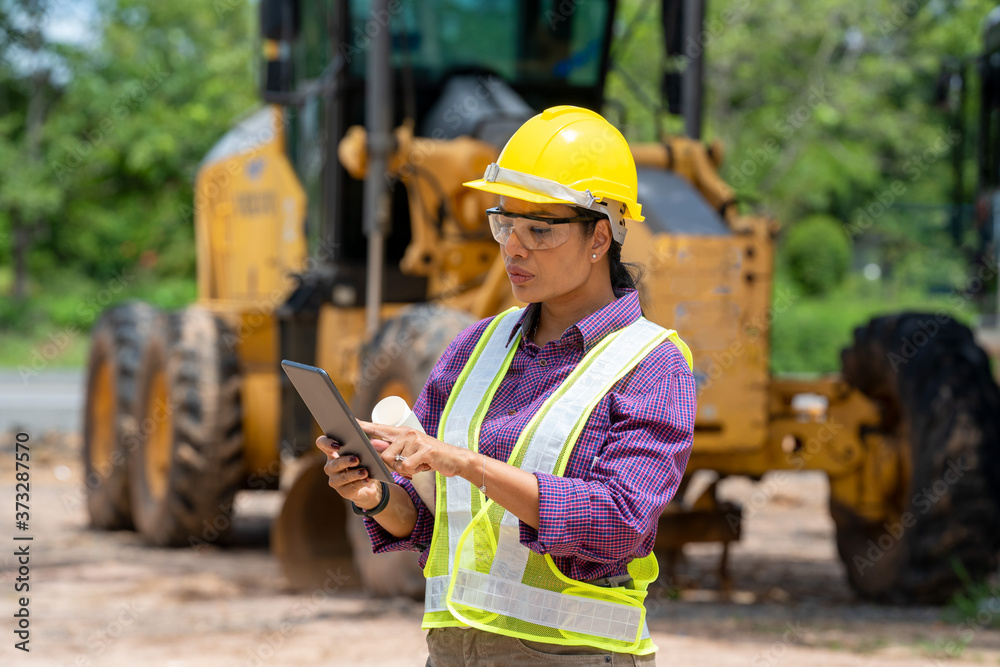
563	429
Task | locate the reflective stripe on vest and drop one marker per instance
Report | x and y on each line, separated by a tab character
460	426
543	604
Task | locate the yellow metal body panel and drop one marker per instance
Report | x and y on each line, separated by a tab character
249	226
715	291
339	339
261	395
457	251
249	216
338	345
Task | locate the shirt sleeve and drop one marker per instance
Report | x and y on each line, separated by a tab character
611	514
428	409
419	540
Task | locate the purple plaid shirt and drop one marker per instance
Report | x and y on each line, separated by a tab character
627	462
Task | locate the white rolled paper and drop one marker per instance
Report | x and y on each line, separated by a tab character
393	411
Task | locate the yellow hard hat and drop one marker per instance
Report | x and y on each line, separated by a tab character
568	155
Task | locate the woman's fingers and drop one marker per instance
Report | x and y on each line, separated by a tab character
390	451
343	475
382	431
415	456
327	445
416	448
350	476
336	466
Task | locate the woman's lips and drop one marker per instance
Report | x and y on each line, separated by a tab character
518	276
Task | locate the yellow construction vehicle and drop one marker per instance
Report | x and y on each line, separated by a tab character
332	229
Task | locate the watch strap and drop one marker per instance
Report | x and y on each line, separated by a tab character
382	504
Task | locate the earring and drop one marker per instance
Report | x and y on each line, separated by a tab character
594	256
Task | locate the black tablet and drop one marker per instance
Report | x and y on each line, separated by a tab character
330	411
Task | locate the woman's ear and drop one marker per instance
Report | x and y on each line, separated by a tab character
601	241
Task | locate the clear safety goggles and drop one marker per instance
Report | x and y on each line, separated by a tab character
584	200
535	232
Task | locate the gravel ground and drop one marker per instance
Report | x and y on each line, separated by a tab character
107	599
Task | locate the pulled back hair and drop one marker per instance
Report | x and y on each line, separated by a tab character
624	275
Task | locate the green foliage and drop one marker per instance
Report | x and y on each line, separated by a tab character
821	106
101	186
808	335
818	254
966	604
931	272
971	609
825	108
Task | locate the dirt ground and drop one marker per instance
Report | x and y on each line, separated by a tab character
106	599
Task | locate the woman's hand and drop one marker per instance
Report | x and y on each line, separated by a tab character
419	451
350	482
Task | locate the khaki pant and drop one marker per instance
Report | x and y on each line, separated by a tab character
471	647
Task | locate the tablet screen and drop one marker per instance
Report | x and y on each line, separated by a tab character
334	417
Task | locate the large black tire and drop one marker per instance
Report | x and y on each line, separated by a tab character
398	361
403	352
117	344
184	477
940	407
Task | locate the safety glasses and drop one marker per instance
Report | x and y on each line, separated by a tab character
535	232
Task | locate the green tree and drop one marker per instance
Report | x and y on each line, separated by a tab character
27	198
143	108
821	105
818	254
106	175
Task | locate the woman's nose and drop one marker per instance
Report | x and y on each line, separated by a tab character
513	247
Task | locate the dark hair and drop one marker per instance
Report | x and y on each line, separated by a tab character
624	275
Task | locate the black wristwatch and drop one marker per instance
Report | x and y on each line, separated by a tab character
382	504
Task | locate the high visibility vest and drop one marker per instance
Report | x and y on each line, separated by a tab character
478	572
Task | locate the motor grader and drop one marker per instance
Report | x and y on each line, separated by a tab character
332	229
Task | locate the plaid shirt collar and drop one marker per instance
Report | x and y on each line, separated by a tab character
618	314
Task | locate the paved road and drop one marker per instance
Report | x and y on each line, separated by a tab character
51	400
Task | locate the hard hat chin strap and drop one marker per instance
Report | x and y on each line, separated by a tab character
543	186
